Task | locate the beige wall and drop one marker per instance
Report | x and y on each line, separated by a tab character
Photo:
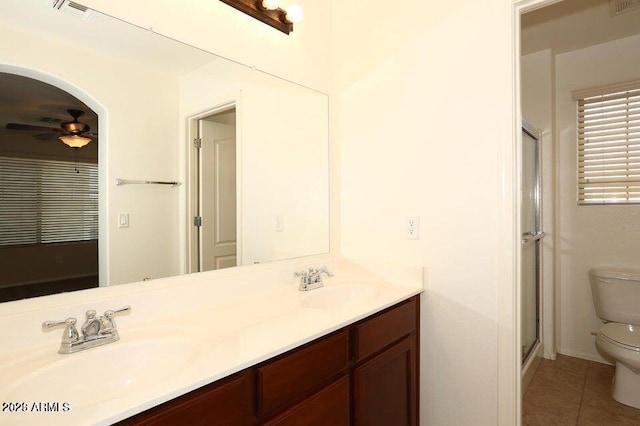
590	236
423	110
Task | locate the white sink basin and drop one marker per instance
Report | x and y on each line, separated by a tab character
336	297
106	372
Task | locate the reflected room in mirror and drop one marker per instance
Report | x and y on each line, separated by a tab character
248	150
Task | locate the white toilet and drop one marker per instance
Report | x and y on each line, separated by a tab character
616	297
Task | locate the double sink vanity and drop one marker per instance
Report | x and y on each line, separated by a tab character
230	348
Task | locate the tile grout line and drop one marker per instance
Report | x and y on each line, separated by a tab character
584	387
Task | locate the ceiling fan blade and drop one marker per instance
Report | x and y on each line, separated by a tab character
46	136
30	128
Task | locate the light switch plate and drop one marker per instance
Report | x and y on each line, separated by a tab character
123	220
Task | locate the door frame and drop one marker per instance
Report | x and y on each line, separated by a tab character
192	190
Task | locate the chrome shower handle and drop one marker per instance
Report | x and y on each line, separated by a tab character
531	236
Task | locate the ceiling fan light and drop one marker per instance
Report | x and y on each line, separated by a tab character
75	141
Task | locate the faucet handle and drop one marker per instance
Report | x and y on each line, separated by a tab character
70	332
108	323
326	270
111	312
51	324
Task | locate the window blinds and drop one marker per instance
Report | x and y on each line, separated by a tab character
609	147
45	201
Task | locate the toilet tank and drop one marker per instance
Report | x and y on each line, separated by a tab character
616	294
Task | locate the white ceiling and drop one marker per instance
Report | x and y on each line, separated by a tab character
575	24
104	33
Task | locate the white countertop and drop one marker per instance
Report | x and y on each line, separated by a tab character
218	333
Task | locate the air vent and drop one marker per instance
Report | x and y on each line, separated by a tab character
74	9
621	6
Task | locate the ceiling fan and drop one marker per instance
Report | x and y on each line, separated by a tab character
73	133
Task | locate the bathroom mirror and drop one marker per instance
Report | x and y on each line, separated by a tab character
149	95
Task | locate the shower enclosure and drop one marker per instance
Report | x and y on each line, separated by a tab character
531	240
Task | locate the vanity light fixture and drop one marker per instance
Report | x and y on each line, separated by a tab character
75	141
269	12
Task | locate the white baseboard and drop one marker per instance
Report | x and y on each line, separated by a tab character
583	355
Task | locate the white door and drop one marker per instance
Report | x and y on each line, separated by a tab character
217	181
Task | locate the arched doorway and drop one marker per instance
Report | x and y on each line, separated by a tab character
49	189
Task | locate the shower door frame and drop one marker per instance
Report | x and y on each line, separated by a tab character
535	238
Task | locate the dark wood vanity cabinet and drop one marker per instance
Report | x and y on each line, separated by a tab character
365	374
385	374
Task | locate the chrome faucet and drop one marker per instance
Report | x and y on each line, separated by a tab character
95	331
312	279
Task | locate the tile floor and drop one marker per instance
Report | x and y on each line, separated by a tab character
573	391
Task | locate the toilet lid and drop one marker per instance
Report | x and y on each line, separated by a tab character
624	334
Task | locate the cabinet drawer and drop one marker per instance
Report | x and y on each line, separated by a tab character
298	374
226	403
330	406
379	332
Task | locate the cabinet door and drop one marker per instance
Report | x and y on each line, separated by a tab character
385	388
224	404
330	406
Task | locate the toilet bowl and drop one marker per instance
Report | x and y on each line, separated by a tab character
622	343
616	298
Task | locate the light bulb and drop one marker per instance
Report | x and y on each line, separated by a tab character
294	13
270	4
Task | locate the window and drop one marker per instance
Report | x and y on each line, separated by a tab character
609	145
45	201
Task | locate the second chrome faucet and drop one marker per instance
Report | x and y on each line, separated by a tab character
312	279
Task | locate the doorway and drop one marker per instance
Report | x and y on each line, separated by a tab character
564	48
215	236
49	190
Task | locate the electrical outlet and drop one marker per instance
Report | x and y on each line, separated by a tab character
279	223
412	229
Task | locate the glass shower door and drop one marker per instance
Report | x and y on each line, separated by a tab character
531	241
